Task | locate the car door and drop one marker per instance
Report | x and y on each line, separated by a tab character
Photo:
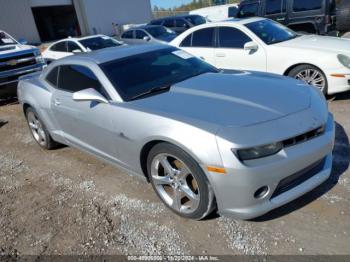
200	43
139	37
73	48
276	10
84	124
230	52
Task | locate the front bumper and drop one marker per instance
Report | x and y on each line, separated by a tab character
12	76
235	191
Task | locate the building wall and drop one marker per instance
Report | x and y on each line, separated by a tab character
98	16
17	19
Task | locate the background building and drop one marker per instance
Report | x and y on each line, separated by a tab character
46	20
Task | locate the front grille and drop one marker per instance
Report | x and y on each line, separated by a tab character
304	137
298	178
19	62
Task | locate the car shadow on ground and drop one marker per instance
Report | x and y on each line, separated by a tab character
341	162
8	101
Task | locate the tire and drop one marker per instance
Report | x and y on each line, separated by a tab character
180	182
38	130
300	72
343	16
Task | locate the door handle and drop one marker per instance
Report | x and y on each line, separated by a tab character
220	55
57	102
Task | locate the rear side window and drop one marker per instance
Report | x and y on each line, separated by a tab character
74	78
59	47
302	5
52	76
248	10
203	38
273	7
140	34
127	34
232	38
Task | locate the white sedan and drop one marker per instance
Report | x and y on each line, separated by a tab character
71	46
260	44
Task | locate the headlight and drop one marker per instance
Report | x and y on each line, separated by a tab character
259	151
344	60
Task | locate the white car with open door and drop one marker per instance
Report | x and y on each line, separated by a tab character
260	44
71	46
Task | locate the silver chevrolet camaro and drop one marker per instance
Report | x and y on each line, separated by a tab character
239	143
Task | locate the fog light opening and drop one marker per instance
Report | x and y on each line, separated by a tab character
261	192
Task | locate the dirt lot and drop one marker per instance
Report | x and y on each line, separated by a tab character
67	202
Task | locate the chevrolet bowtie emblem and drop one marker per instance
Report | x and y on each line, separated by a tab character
12	62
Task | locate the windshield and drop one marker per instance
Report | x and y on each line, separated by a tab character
196	19
5	39
135	75
100	42
159	31
271	32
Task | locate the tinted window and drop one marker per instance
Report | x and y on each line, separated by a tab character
302	5
169	23
140	34
232	11
52	76
248	10
74	78
136	75
157	22
72	46
59	47
203	38
128	34
181	23
232	38
99	42
157	31
273	6
187	41
196	19
271	32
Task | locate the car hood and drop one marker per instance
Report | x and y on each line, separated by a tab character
321	43
235	99
10	49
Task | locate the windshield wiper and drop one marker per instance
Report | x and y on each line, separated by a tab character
151	91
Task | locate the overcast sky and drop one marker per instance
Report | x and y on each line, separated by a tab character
169	3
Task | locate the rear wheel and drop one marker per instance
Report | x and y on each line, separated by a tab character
310	75
179	181
38	130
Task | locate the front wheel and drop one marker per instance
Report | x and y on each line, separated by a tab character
179	182
310	75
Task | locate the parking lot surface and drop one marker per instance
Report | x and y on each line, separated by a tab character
67	202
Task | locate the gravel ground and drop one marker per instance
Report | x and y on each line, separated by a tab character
67	202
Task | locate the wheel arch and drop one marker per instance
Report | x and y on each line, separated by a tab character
290	68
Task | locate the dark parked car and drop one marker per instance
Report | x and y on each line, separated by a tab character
179	24
305	16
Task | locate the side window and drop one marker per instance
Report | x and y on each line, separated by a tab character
169	23
128	34
74	78
302	5
156	22
181	23
140	34
71	46
232	11
187	42
273	7
230	37
248	10
203	37
52	76
59	47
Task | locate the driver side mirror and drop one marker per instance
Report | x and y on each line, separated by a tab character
89	94
146	38
76	51
251	46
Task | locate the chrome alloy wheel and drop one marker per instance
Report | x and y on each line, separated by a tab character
312	77
175	184
36	128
